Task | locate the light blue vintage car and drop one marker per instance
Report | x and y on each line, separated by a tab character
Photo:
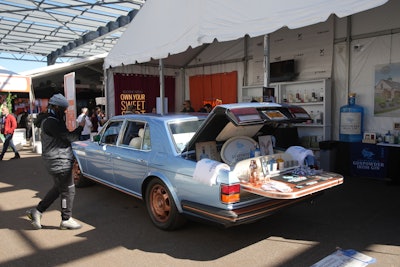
193	165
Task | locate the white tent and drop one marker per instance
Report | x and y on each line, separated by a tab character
164	28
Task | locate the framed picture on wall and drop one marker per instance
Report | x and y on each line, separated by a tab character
387	82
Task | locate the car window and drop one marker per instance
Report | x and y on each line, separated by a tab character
183	131
110	134
133	135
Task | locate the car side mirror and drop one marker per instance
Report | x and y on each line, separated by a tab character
96	138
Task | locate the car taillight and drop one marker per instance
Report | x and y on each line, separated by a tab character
230	193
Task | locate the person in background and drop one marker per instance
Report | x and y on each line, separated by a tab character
22	119
208	107
23	122
85	135
8	127
101	118
94	120
132	110
3	104
187	106
29	126
58	159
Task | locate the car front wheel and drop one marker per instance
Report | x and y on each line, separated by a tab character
161	206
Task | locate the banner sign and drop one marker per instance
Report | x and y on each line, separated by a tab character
368	160
136	99
141	92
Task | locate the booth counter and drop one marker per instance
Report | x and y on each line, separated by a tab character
376	161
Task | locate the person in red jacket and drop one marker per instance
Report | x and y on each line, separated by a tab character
9	126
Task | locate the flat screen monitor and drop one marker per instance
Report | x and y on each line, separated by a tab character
282	71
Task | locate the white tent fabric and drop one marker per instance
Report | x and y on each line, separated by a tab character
6	71
163	28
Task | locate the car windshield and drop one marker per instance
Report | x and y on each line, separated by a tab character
183	131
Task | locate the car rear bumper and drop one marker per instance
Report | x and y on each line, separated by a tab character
247	214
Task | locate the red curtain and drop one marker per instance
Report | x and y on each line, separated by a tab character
141	91
213	88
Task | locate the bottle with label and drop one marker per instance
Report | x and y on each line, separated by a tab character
281	163
253	171
396	137
272	165
257	151
387	137
312	116
320	117
351	121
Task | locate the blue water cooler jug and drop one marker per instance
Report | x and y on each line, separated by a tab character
351	121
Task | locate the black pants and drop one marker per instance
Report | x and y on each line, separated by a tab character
64	187
8	142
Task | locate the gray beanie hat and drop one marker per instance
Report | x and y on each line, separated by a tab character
58	100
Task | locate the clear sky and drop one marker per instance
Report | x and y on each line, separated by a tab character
19	66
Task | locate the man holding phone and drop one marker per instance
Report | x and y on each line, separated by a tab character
87	129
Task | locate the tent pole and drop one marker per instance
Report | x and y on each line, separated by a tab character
31	100
348	63
246	60
162	89
266	60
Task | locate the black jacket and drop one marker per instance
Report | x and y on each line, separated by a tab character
56	143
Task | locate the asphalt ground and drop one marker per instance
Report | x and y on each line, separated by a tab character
362	214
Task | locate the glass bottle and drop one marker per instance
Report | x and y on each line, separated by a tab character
253	171
257	151
351	121
281	163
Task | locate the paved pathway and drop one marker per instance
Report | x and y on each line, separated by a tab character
361	214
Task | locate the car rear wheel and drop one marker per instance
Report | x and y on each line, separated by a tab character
161	206
79	179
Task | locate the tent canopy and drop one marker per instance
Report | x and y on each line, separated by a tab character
164	28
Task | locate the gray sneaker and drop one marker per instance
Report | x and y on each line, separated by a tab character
34	215
69	224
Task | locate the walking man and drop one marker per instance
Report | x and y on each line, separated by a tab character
58	159
9	124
